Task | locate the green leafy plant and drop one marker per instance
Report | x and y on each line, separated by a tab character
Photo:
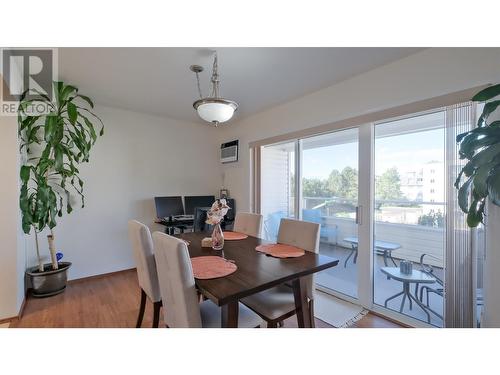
479	179
54	144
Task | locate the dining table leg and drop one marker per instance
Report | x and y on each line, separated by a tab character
301	304
229	318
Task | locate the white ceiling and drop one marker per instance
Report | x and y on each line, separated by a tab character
158	80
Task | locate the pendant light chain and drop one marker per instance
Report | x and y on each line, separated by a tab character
198	83
215	78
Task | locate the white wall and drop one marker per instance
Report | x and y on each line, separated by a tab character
12	258
424	75
139	157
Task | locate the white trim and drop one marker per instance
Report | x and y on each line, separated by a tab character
365	204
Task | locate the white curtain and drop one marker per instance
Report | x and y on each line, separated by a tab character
460	274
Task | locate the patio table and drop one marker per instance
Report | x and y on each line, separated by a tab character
383	247
417	277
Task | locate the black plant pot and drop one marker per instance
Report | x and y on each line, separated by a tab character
49	282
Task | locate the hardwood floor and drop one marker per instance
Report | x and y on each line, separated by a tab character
112	301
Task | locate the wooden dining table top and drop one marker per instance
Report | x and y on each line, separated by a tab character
256	271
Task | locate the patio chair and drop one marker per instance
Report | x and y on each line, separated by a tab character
314	216
272	224
429	270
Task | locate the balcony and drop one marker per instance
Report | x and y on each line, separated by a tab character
397	223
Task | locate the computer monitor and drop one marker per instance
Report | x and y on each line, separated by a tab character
168	206
198	201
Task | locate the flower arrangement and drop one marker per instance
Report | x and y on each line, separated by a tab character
217	212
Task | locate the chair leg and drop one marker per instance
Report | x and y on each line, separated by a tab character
156	314
281	324
141	309
311	312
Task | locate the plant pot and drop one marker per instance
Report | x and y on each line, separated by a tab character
49	282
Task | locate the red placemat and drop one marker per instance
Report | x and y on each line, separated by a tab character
212	267
234	236
279	250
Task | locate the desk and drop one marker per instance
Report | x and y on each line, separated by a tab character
256	272
170	225
416	277
386	248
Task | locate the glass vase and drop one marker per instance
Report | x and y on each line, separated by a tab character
217	238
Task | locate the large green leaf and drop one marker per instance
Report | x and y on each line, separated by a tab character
487	110
475	214
463	195
487	94
72	113
87	99
480	179
25	173
494	186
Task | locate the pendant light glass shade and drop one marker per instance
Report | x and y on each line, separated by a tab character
215	110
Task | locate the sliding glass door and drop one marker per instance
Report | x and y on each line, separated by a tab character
329	196
378	193
409	216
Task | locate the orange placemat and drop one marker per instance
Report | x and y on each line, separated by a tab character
279	250
212	267
234	236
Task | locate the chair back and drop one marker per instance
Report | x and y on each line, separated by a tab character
248	223
177	285
142	246
304	235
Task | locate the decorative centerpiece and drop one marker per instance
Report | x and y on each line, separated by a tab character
214	217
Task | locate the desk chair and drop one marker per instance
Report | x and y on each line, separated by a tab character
276	304
200	216
178	289
142	246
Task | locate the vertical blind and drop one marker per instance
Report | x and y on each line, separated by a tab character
460	252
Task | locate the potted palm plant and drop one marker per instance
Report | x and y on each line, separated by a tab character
479	179
52	147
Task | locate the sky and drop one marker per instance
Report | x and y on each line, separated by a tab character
406	152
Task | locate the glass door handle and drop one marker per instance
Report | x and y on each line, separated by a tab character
359	210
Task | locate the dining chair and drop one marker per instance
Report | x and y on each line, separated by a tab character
276	304
142	246
248	223
178	290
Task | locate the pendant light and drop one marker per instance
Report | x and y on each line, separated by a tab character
213	109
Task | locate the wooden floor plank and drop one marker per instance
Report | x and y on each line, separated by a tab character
112	301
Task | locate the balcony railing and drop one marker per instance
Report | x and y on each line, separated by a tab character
396	221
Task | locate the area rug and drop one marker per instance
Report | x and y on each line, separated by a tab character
337	312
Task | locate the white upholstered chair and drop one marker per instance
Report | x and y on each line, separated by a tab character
142	245
248	223
178	290
276	304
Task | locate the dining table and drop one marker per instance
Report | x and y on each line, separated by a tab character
255	273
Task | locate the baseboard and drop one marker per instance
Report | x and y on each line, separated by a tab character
19	314
86	278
